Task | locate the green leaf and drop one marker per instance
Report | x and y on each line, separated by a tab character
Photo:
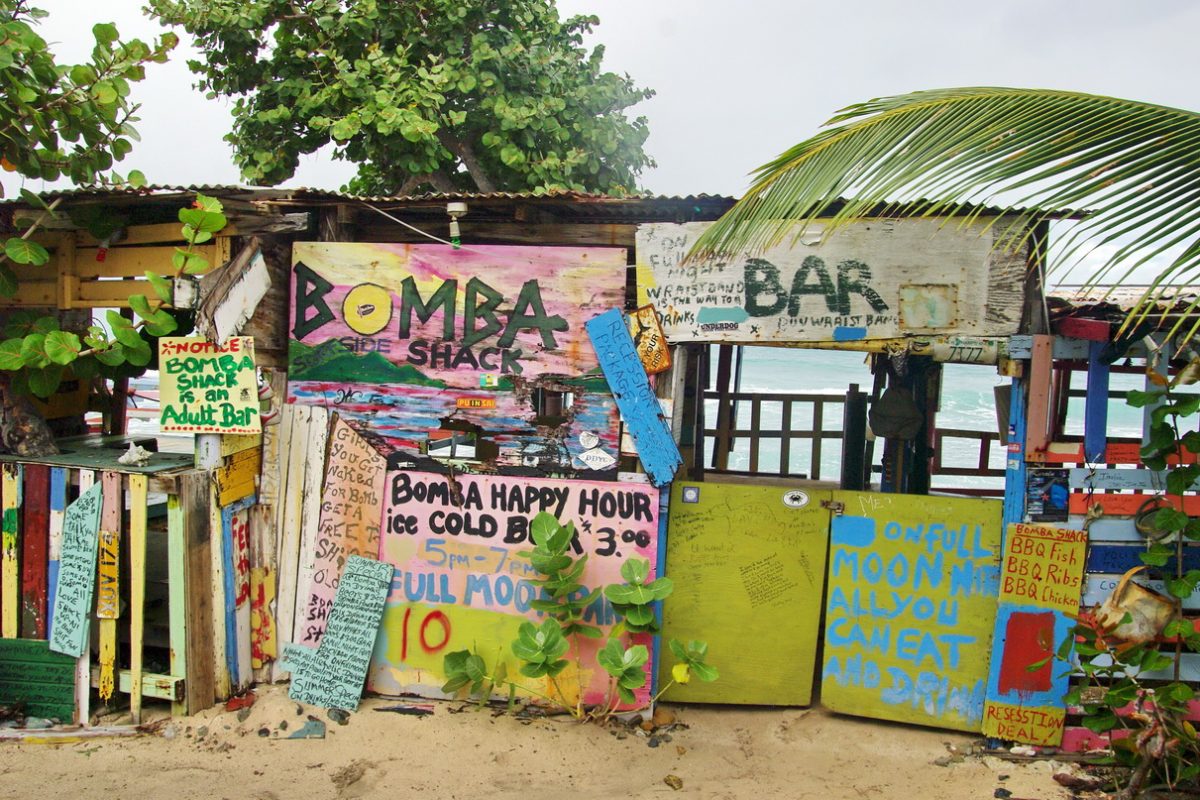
161	323
162	287
105	33
111	357
635	570
11	356
62	347
8	281
202	220
139	355
44	382
85	368
23	251
136	178
140	305
33	350
705	672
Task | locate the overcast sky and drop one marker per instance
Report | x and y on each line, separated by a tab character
738	82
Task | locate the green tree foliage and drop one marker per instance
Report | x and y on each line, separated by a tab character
73	121
1132	165
449	94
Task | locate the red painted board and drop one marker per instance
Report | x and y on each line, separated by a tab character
1093	330
1028	638
35	551
1081	740
1115	453
1126	505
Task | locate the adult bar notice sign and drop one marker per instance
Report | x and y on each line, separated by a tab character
206	387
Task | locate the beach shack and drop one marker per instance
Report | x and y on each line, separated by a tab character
433	371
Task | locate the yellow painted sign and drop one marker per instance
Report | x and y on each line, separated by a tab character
752	590
1041	582
475	402
649	340
108	590
237	478
208	388
911	604
237	442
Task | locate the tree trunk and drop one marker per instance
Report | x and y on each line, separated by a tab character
465	152
23	432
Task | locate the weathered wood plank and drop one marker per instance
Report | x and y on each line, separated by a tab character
121	262
316	451
160	687
1117	558
83	664
877	278
219	610
199	600
58	506
138	501
1095	413
35	550
108	598
10	543
238	478
1127	505
39	679
1115	480
1037	425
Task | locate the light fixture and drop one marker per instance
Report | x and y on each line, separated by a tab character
456	210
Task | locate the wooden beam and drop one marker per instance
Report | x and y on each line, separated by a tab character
138	502
10	531
1095	412
1037	432
160	687
35	550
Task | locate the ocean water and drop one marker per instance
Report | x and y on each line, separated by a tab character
967	403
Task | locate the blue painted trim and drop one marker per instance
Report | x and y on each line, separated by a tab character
58	502
664	505
844	334
231	643
1095	412
1014	460
635	398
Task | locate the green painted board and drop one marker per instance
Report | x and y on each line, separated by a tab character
749	569
42	681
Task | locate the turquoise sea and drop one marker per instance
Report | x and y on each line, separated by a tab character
967	402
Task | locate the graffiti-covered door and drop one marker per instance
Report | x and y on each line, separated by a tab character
911	602
748	564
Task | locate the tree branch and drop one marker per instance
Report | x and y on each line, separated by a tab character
466	153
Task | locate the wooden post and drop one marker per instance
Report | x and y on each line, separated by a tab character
138	494
1037	430
1014	462
221	676
35	550
188	554
83	665
10	531
58	507
725	421
108	597
854	440
1095	413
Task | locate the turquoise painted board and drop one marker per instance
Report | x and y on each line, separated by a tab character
76	574
912	596
749	569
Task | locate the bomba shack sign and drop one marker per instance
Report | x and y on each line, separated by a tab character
874	279
434	316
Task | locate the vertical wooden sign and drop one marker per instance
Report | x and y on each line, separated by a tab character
76	575
108	598
649	340
10	572
351	515
630	386
1041	581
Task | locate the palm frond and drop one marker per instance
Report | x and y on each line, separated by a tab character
1028	152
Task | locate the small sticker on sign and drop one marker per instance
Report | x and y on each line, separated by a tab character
691	494
475	402
795	499
596	459
488	381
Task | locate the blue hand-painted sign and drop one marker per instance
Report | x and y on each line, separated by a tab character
639	407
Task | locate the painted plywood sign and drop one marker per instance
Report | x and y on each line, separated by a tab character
332	674
874	279
636	399
208	388
460	585
910	607
1040	583
351	513
752	591
76	574
400	337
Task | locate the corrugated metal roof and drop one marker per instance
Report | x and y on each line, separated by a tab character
1115	302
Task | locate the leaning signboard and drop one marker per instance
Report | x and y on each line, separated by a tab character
475	353
462	584
874	279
